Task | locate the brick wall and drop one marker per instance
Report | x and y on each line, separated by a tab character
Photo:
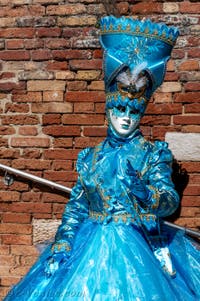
52	105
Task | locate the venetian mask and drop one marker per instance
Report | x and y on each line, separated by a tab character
124	120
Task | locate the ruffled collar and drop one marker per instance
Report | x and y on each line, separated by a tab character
115	140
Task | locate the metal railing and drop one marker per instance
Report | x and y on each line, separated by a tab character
9	170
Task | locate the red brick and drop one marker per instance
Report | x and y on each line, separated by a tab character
94	131
42	216
188	7
9	196
51	119
192	108
189	222
156	120
60	176
30	142
63	142
77	86
27	97
28	131
194	53
194	179
83	107
192	86
10	86
187	201
191	166
49	96
45	32
72	54
4	250
31	207
34	43
9	281
62	165
100	107
41	55
60	154
86	96
192	190
7	75
83	119
14	217
86	64
164	109
9	153
19	270
191	129
15	228
7	130
193	41
123	7
32	164
58	208
187	97
56	43
15	44
16	186
189	65
58	131
83	142
3	142
13	239
159	132
57	66
31	197
14	55
97	54
65	9
31	153
23	250
146	8
7	260
16	108
178	54
189	119
28	260
187	211
17	33
20	119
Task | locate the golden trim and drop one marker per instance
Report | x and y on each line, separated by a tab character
137	32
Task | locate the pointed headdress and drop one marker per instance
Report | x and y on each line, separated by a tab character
134	50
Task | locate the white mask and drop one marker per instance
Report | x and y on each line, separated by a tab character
124	120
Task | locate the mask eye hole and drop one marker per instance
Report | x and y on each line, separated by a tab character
121	108
134	111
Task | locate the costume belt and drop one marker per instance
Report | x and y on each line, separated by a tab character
105	218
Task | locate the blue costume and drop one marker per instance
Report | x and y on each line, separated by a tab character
112	245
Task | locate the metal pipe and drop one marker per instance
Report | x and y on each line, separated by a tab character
54	185
34	178
186	230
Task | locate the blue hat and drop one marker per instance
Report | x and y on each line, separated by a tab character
134	48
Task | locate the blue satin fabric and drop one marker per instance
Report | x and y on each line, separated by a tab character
128	42
107	235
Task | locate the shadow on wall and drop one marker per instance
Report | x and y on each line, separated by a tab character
180	179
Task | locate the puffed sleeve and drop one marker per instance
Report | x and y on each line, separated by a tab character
164	199
75	212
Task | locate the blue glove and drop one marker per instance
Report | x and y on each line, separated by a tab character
52	264
136	184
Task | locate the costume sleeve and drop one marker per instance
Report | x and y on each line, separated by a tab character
75	212
164	199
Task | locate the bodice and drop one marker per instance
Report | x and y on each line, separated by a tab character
102	168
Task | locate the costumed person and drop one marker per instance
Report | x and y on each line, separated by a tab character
112	244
